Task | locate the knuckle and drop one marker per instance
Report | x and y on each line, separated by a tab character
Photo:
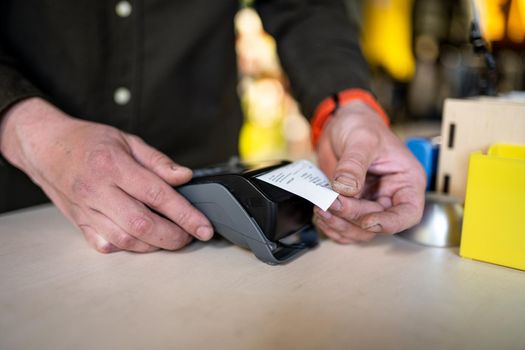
104	247
369	221
352	213
135	138
157	158
141	225
155	196
125	241
354	161
101	159
180	240
82	188
184	218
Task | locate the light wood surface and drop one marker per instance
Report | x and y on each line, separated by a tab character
56	293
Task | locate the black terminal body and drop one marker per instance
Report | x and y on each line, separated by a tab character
279	213
250	212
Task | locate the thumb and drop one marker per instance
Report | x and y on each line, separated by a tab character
159	163
357	154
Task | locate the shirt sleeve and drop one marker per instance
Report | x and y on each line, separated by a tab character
318	48
13	85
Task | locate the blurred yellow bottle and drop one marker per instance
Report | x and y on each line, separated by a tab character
496	26
262	136
387	36
516	23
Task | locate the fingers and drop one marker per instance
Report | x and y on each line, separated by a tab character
358	218
159	196
140	222
97	242
127	196
133	232
116	236
352	209
342	221
406	211
111	240
340	230
96	168
158	162
358	153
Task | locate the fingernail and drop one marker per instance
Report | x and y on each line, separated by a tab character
337	205
204	232
376	228
324	214
176	167
345	184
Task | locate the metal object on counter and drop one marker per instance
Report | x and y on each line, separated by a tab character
441	222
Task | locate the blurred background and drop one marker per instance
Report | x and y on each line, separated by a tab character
420	52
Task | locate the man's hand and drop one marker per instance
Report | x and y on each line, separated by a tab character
112	185
381	184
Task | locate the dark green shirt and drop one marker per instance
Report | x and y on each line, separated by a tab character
162	69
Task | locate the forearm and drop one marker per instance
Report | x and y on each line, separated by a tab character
17	94
318	48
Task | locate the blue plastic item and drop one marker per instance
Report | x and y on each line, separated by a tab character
426	151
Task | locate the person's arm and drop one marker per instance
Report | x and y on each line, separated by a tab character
14	86
112	185
318	48
380	182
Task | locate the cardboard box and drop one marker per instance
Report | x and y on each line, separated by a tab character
473	125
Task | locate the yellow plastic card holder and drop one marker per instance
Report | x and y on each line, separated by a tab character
494	218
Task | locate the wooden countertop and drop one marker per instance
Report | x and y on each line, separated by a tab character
57	293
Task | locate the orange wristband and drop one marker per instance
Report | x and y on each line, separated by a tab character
328	107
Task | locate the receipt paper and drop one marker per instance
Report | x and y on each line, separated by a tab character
305	180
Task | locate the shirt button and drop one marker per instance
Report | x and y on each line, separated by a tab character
123	8
121	96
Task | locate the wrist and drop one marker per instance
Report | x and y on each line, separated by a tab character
25	121
330	106
359	112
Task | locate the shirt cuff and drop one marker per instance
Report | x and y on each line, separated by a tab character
329	105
